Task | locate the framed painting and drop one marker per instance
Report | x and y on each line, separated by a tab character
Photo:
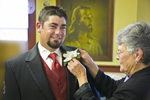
90	26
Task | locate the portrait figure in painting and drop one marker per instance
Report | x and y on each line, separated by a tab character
80	31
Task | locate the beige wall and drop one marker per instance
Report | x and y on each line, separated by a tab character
143	10
125	12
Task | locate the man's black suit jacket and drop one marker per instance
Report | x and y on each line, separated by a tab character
25	78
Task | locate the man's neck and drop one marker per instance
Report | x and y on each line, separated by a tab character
48	48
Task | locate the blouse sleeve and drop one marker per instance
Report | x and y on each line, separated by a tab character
84	93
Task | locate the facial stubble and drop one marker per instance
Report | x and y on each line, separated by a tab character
55	44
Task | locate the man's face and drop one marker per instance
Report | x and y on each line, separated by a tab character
53	32
86	19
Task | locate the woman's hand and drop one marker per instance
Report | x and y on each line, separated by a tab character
85	58
78	70
89	63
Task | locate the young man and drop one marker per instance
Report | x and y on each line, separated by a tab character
35	75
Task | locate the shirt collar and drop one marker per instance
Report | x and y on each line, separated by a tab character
126	78
44	52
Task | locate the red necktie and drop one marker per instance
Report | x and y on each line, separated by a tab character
55	64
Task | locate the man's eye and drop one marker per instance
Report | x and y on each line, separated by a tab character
53	26
63	28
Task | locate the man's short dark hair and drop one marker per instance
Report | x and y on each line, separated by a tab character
51	10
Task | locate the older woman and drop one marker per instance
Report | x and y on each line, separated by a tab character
134	56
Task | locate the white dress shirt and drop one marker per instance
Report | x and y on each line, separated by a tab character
44	54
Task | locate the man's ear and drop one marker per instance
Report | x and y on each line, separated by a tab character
38	26
139	54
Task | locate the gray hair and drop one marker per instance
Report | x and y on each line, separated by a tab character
134	36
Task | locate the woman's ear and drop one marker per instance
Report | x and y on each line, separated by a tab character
38	26
139	54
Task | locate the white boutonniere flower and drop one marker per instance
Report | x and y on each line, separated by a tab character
70	55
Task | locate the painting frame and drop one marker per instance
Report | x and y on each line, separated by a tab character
109	38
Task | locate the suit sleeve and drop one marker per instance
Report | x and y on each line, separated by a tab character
10	89
103	83
84	93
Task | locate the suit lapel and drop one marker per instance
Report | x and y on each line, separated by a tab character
36	70
71	80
